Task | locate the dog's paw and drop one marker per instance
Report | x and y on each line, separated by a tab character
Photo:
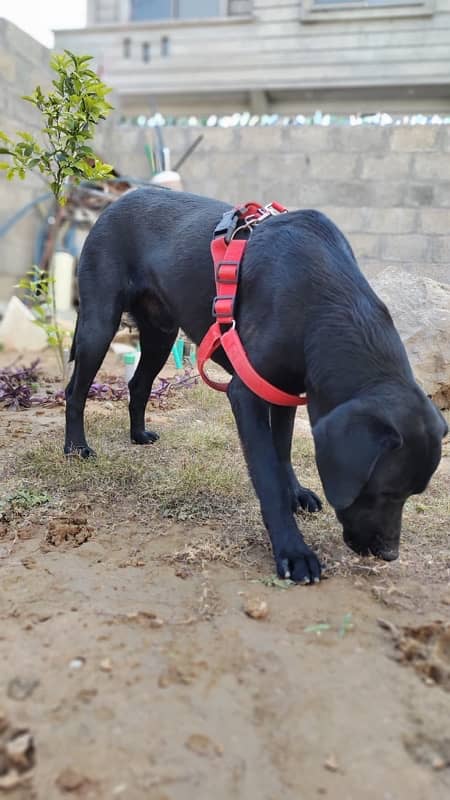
305	499
79	451
144	437
298	563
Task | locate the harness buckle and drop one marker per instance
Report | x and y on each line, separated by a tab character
227	272
224	313
227	225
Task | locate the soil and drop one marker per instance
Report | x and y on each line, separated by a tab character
148	655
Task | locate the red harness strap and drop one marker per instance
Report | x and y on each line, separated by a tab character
227	254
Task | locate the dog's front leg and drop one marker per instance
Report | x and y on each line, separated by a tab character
282	420
293	557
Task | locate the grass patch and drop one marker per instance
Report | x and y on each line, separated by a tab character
194	472
21	501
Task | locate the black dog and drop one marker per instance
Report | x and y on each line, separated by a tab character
308	320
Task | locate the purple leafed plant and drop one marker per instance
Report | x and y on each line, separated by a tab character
16	385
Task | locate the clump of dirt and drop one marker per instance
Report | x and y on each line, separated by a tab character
73	530
72	782
17	755
427	649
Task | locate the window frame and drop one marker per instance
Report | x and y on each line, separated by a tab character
174	17
346	11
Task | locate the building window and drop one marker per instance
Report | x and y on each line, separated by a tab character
145	52
126	48
165	46
175	9
364	3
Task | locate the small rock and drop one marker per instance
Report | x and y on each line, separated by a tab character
438	763
203	746
77	663
256	608
106	665
331	763
12	780
20	751
69	780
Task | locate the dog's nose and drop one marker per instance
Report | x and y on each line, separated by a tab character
388	554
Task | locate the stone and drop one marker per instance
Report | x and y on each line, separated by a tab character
420	308
18	329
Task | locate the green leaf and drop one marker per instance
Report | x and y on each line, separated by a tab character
319	628
27	136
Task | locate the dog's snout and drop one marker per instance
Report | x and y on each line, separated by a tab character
387	554
365	545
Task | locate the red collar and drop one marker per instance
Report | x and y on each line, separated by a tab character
227	253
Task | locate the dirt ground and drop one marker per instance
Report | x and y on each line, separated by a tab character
129	667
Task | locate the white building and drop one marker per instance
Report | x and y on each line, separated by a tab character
220	56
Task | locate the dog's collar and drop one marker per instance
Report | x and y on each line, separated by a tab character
228	251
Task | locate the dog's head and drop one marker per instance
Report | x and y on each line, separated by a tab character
372	454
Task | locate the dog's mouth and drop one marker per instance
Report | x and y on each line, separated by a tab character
364	547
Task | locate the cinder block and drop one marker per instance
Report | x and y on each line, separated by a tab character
441	194
382	194
435	220
349	194
350	220
420	194
408	139
361	139
332	166
366	245
406	247
391	220
309	140
431	166
391	167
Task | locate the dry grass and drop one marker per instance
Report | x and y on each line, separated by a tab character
196	474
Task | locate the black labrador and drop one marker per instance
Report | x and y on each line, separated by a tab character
308	320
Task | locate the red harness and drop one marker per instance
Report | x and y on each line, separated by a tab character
227	253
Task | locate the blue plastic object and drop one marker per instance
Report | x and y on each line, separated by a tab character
178	353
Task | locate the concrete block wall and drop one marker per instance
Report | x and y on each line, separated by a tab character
387	188
24	63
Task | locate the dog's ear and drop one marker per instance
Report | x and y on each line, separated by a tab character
349	441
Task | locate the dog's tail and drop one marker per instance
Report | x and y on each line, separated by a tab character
73	347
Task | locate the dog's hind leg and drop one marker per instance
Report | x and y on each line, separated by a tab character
156	345
293	557
282	420
92	339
